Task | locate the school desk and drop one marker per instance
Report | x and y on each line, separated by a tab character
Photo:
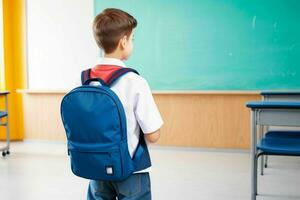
281	95
278	96
270	113
4	114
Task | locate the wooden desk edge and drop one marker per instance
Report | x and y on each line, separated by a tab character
4	92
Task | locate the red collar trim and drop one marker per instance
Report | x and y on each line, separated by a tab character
104	71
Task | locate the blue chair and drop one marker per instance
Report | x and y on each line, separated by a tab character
276	145
4	115
283	134
279	146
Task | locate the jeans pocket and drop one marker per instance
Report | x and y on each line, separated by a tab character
131	186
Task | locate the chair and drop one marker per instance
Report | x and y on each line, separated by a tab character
282	144
4	116
279	146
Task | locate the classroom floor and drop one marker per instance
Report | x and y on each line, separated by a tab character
38	170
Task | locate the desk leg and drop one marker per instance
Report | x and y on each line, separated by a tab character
253	156
266	156
261	135
7	124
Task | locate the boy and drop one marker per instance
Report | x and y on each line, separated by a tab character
113	31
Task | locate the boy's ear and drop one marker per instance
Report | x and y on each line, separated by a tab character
123	42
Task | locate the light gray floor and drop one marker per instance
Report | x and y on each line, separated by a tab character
38	170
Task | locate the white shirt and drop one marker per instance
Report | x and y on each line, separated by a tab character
139	105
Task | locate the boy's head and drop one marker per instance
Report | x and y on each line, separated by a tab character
113	32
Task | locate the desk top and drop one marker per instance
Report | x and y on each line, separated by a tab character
273	105
280	93
4	92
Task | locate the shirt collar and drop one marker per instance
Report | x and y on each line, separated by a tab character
111	61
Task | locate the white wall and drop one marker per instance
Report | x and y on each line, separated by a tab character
60	43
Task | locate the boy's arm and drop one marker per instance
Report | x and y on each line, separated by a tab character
147	113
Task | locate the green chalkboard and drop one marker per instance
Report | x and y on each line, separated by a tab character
215	44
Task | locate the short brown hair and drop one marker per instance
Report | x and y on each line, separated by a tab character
110	26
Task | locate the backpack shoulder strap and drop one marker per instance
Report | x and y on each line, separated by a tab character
85	75
119	73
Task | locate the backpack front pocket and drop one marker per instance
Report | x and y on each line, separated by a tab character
95	162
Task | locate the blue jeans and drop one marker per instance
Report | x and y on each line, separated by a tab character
135	187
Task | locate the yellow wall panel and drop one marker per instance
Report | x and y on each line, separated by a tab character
14	63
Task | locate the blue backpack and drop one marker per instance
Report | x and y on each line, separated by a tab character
95	125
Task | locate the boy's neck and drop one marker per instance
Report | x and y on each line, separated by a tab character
115	55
